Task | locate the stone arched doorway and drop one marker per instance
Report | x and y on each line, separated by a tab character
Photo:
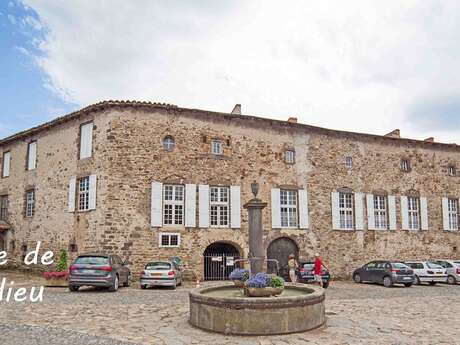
279	249
219	260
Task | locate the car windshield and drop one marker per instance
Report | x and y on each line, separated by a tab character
433	265
161	266
399	265
92	260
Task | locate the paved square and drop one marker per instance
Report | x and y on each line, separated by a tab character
357	314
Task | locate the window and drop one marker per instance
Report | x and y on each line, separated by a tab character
346	210
380	212
168	143
216	147
413	208
349	162
452	209
86	140
32	155
6	164
169	240
173	205
288	202
83	194
290	156
30	203
451	170
4	207
219	206
405	165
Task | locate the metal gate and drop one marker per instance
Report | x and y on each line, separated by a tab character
219	261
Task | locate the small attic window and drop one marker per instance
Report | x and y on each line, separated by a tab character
451	170
289	156
405	165
168	143
349	162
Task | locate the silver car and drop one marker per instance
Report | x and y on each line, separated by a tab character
161	273
453	270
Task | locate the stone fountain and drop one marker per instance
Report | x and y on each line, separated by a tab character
225	309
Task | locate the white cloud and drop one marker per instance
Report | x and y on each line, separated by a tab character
358	65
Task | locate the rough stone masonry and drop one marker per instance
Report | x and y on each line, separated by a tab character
304	173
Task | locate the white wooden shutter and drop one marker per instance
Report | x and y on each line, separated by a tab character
32	156
92	191
276	208
359	211
424	213
445	214
86	140
235	206
156	202
335	210
190	205
303	209
404	213
6	164
370	211
392	211
203	191
71	194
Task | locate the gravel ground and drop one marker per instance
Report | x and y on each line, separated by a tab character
357	314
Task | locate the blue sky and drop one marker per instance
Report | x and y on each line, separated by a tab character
26	102
365	66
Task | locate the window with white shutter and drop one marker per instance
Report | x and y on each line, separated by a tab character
275	207
380	212
219	206
392	212
6	164
288	208
190	205
303	209
203	202
71	194
83	194
235	207
452	214
173	205
32	155
86	140
346	210
413	213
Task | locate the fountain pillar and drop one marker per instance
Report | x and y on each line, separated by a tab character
256	248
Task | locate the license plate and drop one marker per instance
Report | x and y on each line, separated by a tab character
87	271
155	274
406	278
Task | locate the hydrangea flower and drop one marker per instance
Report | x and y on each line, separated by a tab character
260	280
239	274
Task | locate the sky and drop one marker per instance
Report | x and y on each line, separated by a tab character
362	65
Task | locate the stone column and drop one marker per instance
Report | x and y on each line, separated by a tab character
256	248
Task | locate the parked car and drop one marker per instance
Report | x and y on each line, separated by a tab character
427	272
306	275
161	273
385	272
452	268
99	270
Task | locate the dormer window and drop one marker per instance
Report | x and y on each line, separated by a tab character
168	143
289	157
216	147
451	170
405	165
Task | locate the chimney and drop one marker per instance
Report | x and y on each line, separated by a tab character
429	140
236	109
292	120
393	134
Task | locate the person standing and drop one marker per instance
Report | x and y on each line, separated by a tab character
292	265
317	269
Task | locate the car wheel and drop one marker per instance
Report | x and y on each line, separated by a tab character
432	283
387	282
115	285
143	286
325	285
451	280
73	288
357	278
407	284
416	280
127	283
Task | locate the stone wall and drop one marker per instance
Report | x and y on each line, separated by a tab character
128	156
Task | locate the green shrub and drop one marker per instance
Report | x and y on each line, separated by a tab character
277	282
62	262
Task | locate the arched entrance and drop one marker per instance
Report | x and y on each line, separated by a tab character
280	249
2	240
219	260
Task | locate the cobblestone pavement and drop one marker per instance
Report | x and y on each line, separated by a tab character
356	314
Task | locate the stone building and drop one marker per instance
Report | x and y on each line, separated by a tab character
151	181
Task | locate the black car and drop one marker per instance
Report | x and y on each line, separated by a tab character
99	270
305	274
385	272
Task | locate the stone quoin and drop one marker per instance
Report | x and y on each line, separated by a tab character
150	181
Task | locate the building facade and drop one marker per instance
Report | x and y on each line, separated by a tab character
151	181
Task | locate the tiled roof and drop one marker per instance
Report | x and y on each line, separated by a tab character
153	105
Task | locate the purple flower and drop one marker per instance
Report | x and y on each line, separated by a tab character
239	274
260	280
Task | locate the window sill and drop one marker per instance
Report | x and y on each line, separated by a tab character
168	246
85	211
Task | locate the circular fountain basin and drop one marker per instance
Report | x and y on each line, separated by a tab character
225	309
